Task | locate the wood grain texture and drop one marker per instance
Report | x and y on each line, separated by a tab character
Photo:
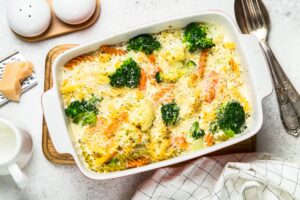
52	155
57	27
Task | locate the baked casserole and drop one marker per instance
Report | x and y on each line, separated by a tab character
155	97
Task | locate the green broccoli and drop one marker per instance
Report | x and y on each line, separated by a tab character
83	111
145	43
158	77
74	109
195	37
89	118
214	127
170	113
113	162
196	132
128	75
231	118
190	64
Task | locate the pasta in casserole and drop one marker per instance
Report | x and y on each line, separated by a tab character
155	97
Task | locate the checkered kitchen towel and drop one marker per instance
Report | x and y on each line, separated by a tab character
247	176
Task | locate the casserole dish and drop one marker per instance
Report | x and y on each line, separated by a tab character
257	78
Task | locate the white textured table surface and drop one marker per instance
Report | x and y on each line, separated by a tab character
49	181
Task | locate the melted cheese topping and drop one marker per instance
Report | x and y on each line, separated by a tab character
130	131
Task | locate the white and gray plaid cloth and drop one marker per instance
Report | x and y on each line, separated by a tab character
248	176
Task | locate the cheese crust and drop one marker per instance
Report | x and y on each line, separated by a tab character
130	131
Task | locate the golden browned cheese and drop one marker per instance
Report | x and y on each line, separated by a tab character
130	131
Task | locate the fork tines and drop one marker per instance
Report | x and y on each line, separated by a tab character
253	14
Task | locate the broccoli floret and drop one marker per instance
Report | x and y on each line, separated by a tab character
170	113
190	64
195	37
196	132
89	118
231	118
158	77
128	75
83	111
145	43
93	100
113	162
214	127
74	109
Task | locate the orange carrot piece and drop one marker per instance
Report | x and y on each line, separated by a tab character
112	50
158	95
209	139
211	91
210	95
79	59
214	77
143	80
233	65
115	123
202	62
152	59
137	163
180	142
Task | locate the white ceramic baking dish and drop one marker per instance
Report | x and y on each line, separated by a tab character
257	77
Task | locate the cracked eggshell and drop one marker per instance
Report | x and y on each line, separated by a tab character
28	18
74	11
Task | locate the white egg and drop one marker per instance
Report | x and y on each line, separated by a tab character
74	11
28	17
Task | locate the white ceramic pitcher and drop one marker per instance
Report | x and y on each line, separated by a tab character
15	151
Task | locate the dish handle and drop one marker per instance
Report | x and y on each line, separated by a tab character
55	120
257	65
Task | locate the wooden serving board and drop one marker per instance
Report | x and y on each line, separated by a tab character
52	155
57	27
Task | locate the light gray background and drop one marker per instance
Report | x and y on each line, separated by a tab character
49	181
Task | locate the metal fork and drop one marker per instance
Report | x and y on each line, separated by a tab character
254	19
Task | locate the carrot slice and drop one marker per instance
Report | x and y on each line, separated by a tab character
77	60
233	65
152	59
211	91
202	62
112	50
158	95
115	123
137	163
143	80
209	139
210	95
180	142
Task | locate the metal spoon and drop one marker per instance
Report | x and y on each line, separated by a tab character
253	18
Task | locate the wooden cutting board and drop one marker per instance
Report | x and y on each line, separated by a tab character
52	155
